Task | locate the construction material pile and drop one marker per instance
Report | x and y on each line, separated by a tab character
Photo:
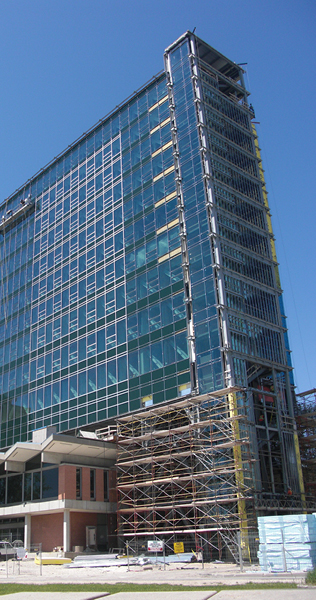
287	543
115	560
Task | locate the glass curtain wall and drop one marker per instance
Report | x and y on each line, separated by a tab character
92	316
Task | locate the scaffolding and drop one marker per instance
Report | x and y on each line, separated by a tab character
305	410
184	474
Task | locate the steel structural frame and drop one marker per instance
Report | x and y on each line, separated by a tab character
305	414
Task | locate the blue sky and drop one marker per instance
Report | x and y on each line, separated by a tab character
66	63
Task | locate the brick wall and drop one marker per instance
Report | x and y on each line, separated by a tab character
67	482
48	530
78	523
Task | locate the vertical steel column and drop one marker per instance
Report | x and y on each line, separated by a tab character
212	217
183	233
239	472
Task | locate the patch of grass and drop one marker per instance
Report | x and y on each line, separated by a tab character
12	588
311	577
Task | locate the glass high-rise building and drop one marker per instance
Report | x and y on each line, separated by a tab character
139	267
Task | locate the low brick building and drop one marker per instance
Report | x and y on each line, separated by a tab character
56	489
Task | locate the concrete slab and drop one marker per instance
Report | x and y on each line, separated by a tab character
298	594
56	595
181	595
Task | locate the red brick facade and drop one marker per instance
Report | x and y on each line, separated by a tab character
67	482
85	483
78	523
48	530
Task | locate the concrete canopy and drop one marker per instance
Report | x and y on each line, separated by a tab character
59	449
65	448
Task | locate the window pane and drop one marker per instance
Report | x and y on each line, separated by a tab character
15	489
50	483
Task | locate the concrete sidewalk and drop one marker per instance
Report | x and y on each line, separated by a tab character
299	594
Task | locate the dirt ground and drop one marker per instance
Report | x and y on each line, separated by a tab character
186	574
